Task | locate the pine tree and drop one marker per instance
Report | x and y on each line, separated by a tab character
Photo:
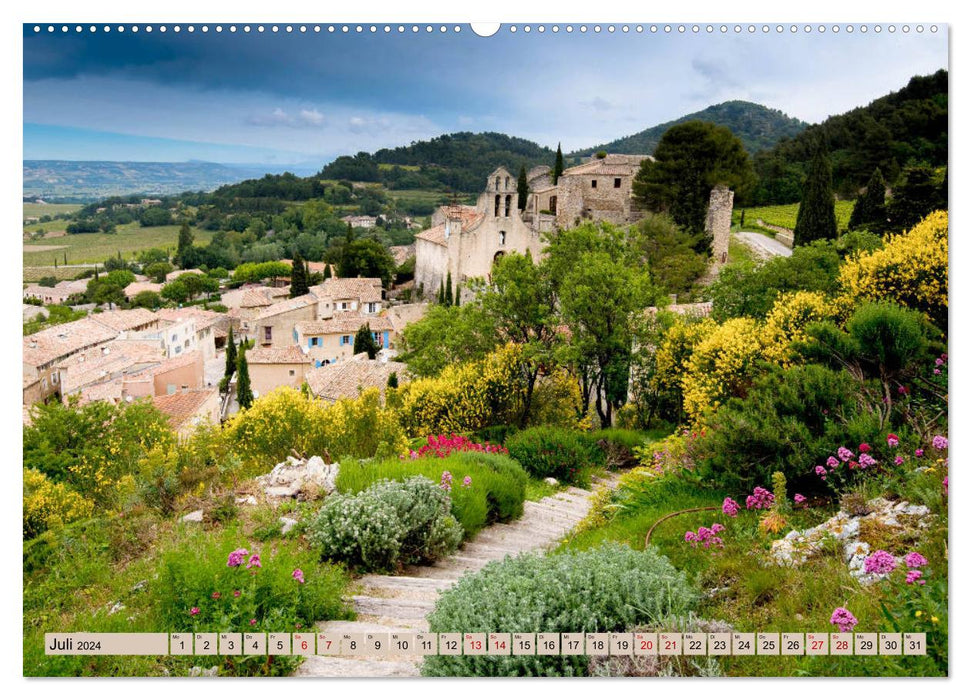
558	167
870	210
364	342
230	354
244	391
522	187
817	210
185	243
299	284
449	298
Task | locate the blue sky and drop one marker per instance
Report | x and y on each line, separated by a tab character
279	99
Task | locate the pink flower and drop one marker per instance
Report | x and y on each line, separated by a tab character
193	611
945	486
918	452
252	622
844	619
939	362
237	594
237	557
467	481
880	562
690	536
844	454
939	442
717	527
298	575
216	595
864	447
799	498
866	460
937	371
914	576
254	561
446	481
893	440
821	471
760	498
914	560
832	462
729	507
898	460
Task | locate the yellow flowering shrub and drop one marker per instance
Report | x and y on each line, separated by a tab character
910	270
464	398
787	321
555	401
285	419
671	360
720	366
48	504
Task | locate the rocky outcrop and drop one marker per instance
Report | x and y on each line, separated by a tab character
303	479
896	519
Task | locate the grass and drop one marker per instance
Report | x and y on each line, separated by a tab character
97	247
784	215
34	209
116	561
738	252
740	588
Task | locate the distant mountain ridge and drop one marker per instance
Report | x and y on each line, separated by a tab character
759	128
89	180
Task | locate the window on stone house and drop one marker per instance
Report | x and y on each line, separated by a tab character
507	183
616	182
593	184
553	204
508	204
498	200
502	238
268	334
293	372
497	183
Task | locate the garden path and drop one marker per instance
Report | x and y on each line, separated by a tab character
401	603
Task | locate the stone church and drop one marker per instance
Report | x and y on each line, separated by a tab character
465	241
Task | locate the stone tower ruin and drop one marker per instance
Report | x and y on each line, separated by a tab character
718	223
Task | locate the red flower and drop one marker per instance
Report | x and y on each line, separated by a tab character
864	447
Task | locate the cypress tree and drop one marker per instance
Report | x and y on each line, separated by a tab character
458	295
230	354
327	271
299	284
349	236
817	210
185	242
441	294
869	209
393	380
558	167
244	391
364	342
522	187
449	298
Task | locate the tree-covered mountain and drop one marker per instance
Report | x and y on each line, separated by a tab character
459	162
757	126
907	127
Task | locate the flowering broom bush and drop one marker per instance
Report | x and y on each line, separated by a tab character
48	504
608	589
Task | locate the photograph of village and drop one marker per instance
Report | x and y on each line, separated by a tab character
392	333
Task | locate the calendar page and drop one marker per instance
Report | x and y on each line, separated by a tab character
436	349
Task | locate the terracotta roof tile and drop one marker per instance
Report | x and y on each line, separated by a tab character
204	318
181	406
347	379
125	319
50	344
344	323
364	289
289	355
282	307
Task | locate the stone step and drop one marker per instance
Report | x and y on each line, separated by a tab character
402	582
361	626
341	667
392	608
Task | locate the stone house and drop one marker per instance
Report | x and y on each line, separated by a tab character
600	189
465	241
331	340
338	295
45	351
270	368
207	324
59	293
274	327
133	289
176	337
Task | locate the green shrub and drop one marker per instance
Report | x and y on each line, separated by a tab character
566	455
619	447
390	524
495	434
790	421
192	575
609	589
495	494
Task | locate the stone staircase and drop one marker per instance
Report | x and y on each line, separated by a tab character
402	603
